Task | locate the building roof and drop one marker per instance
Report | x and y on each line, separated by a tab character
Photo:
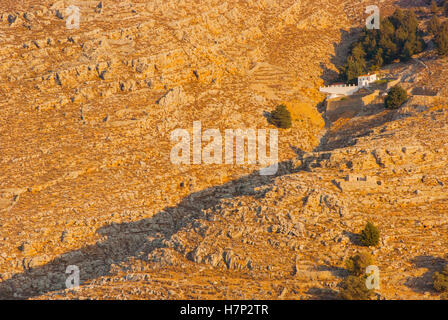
367	75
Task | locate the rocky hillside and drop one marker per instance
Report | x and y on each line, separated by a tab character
86	177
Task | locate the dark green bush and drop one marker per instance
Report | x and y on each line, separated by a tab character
370	236
354	288
357	265
281	117
441	280
395	98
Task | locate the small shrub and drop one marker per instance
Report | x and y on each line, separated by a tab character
281	117
396	97
441	280
354	288
357	265
370	236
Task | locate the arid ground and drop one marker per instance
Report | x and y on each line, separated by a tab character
86	177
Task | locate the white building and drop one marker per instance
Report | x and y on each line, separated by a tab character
339	90
366	80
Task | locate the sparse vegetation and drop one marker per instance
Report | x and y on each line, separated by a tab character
357	265
441	280
396	97
281	117
398	38
370	236
354	288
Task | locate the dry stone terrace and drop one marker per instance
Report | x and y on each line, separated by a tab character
86	178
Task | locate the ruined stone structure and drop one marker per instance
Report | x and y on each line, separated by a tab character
357	181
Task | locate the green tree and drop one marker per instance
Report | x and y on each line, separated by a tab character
378	59
396	97
356	64
434	25
281	117
397	17
369	40
354	288
441	41
370	236
354	68
406	54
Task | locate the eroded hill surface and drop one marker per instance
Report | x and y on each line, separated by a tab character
86	177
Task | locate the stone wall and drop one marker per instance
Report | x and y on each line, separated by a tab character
340	90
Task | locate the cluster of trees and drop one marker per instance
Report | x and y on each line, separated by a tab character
354	286
439	30
398	38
